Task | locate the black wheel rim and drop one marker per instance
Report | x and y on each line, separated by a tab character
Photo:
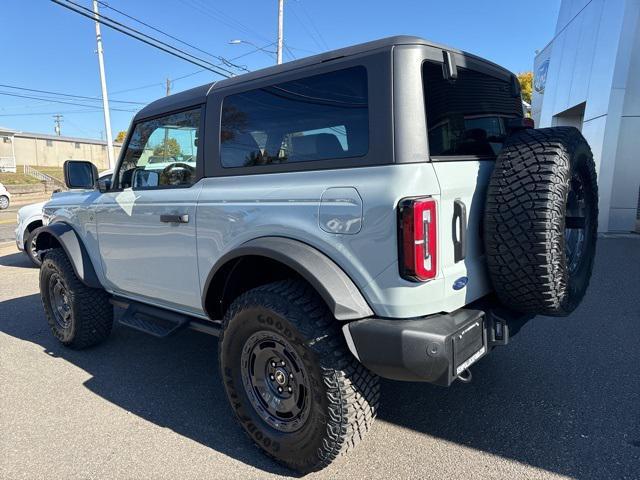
59	301
275	380
576	223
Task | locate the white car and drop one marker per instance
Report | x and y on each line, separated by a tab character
29	219
5	197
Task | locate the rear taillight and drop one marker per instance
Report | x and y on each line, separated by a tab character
417	238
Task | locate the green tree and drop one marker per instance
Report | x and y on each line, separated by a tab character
526	85
122	134
168	148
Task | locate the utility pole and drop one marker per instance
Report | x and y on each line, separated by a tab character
103	84
280	30
57	120
168	87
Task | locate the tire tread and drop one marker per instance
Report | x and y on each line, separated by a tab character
352	391
93	314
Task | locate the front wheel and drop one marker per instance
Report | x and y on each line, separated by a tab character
79	316
30	247
293	384
4	202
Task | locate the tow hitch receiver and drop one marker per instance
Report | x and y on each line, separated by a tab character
436	349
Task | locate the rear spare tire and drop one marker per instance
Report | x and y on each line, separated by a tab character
541	221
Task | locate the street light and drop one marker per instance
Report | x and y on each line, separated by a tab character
262	49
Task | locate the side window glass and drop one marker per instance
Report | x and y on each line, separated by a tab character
320	117
162	152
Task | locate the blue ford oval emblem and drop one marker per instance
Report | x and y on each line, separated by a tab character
460	283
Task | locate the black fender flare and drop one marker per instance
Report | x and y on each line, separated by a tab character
64	235
334	286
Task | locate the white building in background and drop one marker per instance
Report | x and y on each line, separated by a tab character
588	76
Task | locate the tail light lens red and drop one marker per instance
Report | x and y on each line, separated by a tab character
417	239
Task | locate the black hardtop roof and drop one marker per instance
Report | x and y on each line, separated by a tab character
198	94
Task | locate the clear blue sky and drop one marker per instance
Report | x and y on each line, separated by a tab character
47	47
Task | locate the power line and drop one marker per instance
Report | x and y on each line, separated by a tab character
313	25
144	38
223	18
306	29
161	84
38	114
68	94
141	87
305	50
162	32
53	100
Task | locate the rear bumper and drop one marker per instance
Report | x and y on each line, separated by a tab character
435	349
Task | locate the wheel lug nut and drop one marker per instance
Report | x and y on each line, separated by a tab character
290	389
282	363
279	389
271	377
291	375
273	364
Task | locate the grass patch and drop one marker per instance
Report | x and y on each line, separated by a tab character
17	179
20	178
55	172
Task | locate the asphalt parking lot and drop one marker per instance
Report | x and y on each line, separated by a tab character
563	400
8	224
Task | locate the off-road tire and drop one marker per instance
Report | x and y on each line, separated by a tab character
526	216
344	394
29	247
91	314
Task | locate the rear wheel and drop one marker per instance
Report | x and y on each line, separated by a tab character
293	384
4	202
78	316
541	221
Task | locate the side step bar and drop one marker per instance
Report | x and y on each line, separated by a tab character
159	322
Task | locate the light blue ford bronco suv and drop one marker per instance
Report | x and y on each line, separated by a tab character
382	210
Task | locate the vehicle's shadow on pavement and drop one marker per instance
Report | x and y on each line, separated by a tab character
173	383
17	259
564	397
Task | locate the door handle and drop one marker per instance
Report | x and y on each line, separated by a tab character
459	219
174	218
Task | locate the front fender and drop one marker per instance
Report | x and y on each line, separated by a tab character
63	235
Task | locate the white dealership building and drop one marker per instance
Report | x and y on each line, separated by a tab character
588	76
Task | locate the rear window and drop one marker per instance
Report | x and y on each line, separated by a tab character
315	118
467	116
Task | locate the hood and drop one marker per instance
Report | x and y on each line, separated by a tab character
30	210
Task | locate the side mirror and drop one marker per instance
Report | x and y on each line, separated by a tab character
145	178
80	174
104	184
